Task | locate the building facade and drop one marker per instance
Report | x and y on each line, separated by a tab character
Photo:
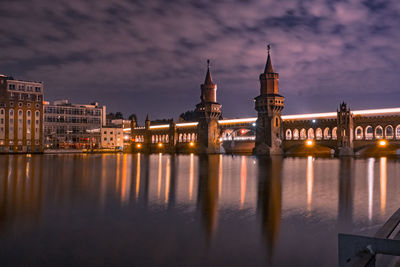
21	115
112	137
73	126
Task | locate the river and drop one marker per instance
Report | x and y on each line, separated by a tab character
188	210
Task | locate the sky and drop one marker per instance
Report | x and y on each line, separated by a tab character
149	57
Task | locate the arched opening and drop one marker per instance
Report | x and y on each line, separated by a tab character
184	137
389	132
303	134
359	133
288	134
310	133
369	133
296	134
334	133
276	122
180	137
327	133
318	134
153	139
378	132
193	137
398	131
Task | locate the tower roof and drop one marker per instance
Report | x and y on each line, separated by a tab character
268	66
208	79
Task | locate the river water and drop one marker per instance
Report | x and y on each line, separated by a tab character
188	210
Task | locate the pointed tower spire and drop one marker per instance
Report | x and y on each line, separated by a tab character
268	66
147	117
208	79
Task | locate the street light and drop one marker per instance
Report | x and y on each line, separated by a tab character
160	145
309	143
138	145
382	143
191	144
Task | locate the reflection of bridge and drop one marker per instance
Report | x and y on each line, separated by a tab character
342	132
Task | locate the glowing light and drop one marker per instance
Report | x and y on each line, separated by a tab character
313	121
126	137
383	183
309	116
191	144
309	142
187	124
254	124
160	145
382	143
248	120
310	181
127	129
220	139
243	131
159	126
139	145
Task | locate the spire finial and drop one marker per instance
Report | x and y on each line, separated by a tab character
208	63
268	66
268	48
208	79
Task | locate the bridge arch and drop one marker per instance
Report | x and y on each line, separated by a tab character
296	134
310	133
288	134
398	131
327	133
369	133
359	133
334	133
303	134
378	132
389	132
318	134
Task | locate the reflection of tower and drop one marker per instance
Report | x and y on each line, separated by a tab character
269	104
269	203
208	192
172	182
208	111
345	210
345	130
144	189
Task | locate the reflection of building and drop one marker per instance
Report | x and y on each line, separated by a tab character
21	115
208	192
68	125
270	199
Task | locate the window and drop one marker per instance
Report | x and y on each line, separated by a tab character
398	132
11	112
11	86
327	133
37	89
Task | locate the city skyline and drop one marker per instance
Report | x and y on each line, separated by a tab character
145	58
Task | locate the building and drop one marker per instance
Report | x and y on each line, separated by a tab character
21	115
112	137
116	135
73	126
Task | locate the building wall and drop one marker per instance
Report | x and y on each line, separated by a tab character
112	138
21	115
69	125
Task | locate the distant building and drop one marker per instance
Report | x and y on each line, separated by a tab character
73	126
116	135
112	137
21	115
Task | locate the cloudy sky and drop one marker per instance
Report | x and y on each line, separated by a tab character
150	56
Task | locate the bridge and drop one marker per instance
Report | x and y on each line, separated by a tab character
344	132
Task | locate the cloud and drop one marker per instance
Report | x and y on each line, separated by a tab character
147	56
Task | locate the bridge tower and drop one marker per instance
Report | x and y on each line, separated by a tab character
147	135
208	111
269	105
344	131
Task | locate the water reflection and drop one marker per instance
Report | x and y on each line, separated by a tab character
383	182
310	181
232	202
346	194
370	175
208	192
269	204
